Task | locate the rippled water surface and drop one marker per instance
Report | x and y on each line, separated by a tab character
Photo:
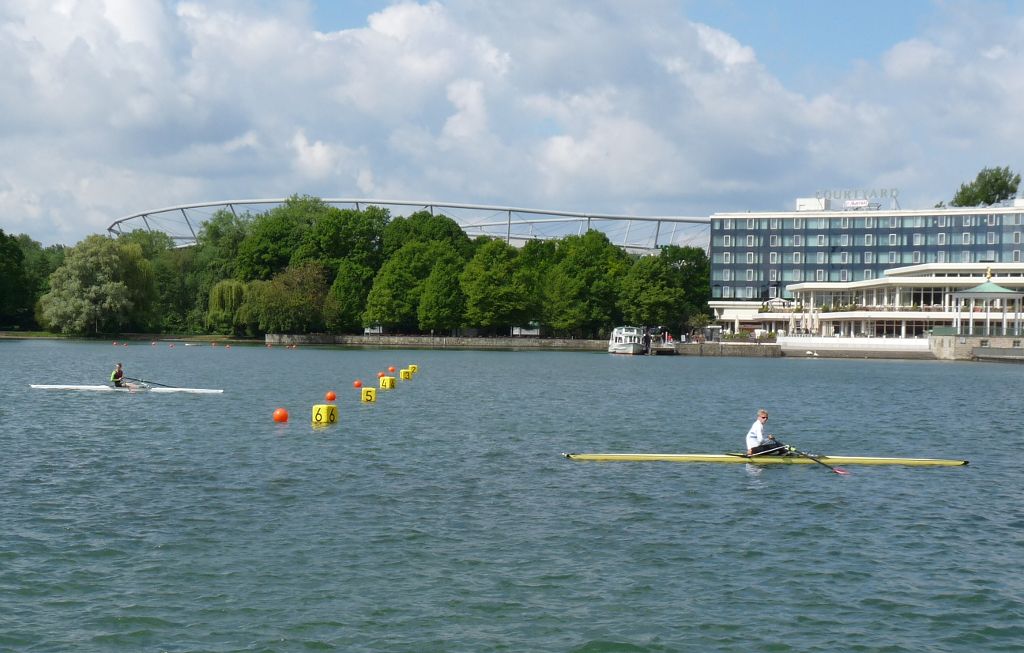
442	518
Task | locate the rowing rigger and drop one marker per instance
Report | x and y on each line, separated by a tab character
761	460
133	388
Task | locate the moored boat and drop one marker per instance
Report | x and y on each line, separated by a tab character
761	460
132	388
626	340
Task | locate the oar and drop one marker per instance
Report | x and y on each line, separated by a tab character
837	470
150	382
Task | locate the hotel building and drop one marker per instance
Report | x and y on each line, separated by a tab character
868	271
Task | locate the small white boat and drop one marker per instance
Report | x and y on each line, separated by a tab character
626	340
131	388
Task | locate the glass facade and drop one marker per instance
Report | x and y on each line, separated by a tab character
756	256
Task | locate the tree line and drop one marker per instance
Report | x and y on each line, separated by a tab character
308	267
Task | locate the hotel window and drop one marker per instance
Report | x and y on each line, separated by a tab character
844	275
844	240
774	222
798	223
773	257
750	223
892	239
728	224
798	258
942	221
869	257
773	275
990	255
821	240
869	223
965	257
727	292
893	257
798	241
1016	238
993	221
917	240
773	241
773	292
869	273
727	257
967	238
726	241
941	256
844	257
942	239
750	292
819	275
821	257
1016	256
991	237
750	257
750	240
750	274
869	240
845	223
917	257
968	221
894	221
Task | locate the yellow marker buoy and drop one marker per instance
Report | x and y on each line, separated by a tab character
324	414
405	374
387	383
414	368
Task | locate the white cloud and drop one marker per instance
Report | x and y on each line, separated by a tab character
108	107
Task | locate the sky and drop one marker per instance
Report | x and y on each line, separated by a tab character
647	107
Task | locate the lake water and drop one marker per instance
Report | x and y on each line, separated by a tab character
442	518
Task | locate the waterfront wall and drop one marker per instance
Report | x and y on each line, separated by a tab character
743	349
438	342
833	347
991	348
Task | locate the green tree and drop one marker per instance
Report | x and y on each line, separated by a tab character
992	185
582	288
293	300
338	234
495	297
423	226
442	303
394	299
102	287
346	300
650	294
535	260
15	295
226	300
276	235
692	271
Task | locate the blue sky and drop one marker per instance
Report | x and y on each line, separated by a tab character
652	107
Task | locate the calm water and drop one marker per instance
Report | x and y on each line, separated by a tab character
442	518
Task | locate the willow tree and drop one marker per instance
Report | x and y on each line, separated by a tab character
226	299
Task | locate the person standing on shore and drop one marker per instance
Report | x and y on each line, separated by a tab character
758	442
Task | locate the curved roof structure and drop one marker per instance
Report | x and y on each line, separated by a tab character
515	225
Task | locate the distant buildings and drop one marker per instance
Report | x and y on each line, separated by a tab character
865	271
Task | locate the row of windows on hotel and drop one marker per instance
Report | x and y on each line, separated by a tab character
890	258
869	222
867	240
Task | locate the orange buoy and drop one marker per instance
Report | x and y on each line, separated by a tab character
391	369
380	375
280	415
330	396
357	384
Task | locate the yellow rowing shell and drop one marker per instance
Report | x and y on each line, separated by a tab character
761	460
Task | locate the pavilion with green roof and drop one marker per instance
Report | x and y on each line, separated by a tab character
1000	307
